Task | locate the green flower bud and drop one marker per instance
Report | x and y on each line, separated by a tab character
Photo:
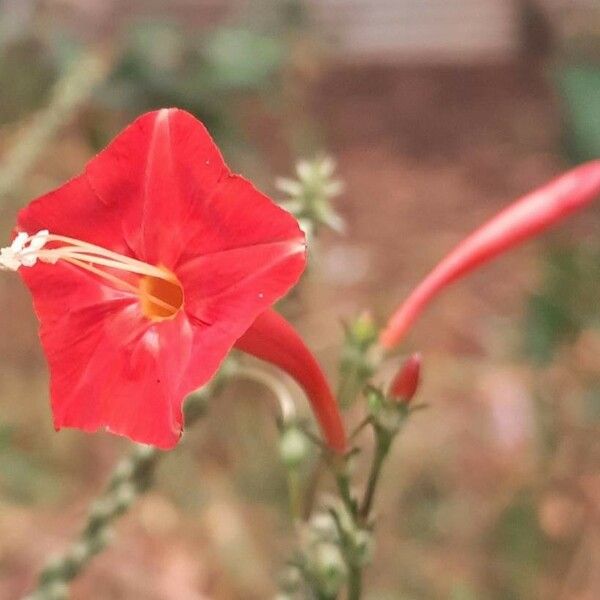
57	590
294	447
125	496
290	581
101	509
363	546
123	471
78	554
363	331
322	528
330	568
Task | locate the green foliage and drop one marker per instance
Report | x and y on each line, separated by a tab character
163	65
566	303
23	478
238	59
519	548
579	86
158	64
26	76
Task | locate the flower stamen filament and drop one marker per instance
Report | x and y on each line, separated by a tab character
26	250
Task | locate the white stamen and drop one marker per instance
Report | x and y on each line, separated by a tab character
23	252
26	250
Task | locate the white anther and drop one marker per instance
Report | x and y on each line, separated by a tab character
23	252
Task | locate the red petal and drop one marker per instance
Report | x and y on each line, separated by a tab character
74	210
156	172
522	220
273	339
244	264
110	370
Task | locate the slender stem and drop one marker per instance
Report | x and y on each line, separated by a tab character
280	391
382	447
354	582
343	484
132	476
69	94
295	494
360	427
310	493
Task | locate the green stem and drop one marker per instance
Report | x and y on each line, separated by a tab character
359	428
381	450
131	477
70	93
354	582
343	484
295	494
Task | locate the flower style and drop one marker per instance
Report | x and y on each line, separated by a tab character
525	218
145	270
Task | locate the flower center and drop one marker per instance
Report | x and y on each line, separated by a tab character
159	291
168	291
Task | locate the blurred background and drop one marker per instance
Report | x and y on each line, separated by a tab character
438	113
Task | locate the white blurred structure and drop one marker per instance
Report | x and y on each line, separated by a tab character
422	30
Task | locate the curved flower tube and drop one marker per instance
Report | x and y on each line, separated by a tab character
520	221
145	270
271	338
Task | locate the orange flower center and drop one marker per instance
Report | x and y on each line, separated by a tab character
168	291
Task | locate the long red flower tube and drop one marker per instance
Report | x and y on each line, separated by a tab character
145	270
273	339
520	221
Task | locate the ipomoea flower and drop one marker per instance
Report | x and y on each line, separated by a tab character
520	221
145	270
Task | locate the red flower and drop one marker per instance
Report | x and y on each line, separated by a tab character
523	219
157	260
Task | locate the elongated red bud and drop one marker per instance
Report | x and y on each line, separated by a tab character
406	382
271	338
520	221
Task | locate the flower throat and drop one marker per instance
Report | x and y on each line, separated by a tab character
160	292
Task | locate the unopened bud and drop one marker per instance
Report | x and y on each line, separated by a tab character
294	447
290	582
102	509
362	542
330	568
363	331
406	382
323	528
125	496
57	590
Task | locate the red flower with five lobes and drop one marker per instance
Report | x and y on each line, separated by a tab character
525	218
145	270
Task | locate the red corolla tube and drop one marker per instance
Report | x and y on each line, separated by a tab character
520	221
271	338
